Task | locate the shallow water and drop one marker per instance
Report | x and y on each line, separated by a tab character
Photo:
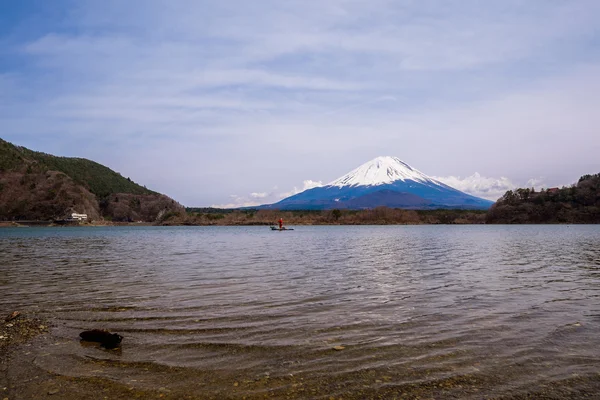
432	311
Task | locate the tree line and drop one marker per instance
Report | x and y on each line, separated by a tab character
578	203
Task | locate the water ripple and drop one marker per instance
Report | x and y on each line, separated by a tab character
436	310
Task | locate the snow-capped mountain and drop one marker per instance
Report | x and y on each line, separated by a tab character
383	181
381	171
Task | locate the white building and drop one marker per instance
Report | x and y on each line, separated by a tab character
79	217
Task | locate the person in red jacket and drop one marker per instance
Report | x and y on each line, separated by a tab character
280	223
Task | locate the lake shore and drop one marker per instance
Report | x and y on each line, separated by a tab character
25	341
216	217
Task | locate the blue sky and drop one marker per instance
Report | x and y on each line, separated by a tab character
236	102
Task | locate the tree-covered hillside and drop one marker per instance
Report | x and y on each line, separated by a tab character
97	178
579	203
39	186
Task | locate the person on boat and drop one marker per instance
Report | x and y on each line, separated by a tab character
280	223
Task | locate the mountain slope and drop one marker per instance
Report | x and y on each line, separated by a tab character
40	186
100	180
383	181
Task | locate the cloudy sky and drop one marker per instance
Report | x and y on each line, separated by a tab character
242	102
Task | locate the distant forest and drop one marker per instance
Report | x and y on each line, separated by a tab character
579	204
375	216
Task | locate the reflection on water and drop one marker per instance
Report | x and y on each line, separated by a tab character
437	311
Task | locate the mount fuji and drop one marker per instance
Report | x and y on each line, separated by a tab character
383	181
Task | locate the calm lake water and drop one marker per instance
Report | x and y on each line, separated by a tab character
234	312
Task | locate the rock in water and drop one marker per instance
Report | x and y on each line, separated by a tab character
104	337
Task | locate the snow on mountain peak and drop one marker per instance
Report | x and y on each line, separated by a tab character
380	171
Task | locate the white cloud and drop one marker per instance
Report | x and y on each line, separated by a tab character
480	186
536	183
266	198
236	201
485	187
259	195
307	184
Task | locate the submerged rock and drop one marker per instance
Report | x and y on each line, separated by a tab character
104	337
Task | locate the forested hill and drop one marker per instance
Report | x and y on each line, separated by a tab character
579	203
40	186
98	179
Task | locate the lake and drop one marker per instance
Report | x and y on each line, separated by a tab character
318	312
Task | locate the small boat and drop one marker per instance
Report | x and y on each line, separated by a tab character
275	228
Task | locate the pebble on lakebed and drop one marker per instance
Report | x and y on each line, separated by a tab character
20	329
11	316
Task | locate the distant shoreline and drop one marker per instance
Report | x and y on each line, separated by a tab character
49	224
46	224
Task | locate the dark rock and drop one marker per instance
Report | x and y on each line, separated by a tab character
104	337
